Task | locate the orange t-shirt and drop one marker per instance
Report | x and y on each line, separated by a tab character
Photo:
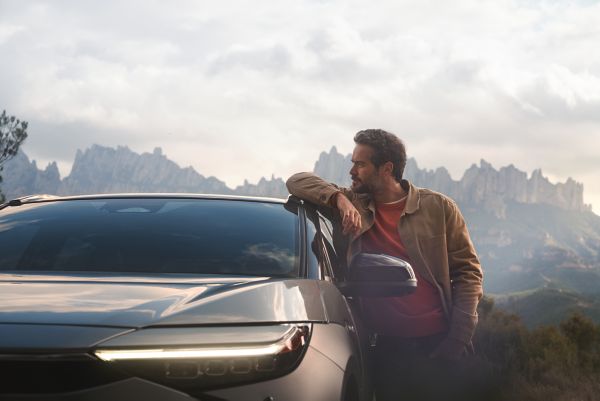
416	315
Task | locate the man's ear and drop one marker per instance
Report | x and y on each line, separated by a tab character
387	168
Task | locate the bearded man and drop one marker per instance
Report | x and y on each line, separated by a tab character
420	337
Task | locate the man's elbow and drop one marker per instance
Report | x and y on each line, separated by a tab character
294	180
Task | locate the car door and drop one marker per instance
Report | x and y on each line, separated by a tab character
340	309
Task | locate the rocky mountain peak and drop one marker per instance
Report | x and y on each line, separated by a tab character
22	177
101	169
481	186
483	165
334	166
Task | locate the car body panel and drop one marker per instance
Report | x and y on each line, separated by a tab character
317	378
45	338
335	304
120	303
198	336
291	300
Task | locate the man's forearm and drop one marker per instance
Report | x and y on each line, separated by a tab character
313	188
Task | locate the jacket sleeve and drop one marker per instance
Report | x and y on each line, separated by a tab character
465	274
314	189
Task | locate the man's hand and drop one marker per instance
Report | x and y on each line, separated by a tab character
351	222
449	349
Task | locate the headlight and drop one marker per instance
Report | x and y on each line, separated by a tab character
194	359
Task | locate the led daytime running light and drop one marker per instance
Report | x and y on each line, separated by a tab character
283	345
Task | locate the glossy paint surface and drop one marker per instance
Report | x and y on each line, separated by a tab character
53	338
120	302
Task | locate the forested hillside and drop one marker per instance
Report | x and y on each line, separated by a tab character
546	363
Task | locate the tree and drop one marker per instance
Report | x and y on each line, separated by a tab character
12	134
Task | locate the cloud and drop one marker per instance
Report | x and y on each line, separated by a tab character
243	89
7	31
274	59
562	95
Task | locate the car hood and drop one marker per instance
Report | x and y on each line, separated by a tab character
135	302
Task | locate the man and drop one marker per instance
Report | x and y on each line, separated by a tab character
420	335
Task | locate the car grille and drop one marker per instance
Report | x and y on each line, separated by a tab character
22	374
58	374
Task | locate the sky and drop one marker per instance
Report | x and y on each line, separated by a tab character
242	89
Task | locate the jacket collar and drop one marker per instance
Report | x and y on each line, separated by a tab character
413	200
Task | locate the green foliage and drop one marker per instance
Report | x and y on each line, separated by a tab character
585	336
12	134
545	363
581	331
500	336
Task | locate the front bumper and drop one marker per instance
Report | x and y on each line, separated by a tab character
317	378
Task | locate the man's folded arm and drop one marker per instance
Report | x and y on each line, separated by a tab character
314	189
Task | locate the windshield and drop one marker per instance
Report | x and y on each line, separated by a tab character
203	236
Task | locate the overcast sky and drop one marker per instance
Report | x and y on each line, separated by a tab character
244	89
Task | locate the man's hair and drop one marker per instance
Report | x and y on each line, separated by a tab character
387	147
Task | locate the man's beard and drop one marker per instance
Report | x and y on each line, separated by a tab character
360	187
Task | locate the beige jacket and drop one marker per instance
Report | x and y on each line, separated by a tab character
436	238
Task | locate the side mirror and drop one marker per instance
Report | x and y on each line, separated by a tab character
374	275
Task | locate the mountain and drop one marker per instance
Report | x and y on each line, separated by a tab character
102	169
105	170
481	186
274	187
529	232
21	177
334	167
537	246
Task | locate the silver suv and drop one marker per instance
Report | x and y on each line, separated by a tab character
181	297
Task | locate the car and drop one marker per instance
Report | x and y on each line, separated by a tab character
183	297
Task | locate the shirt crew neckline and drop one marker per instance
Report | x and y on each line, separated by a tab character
393	205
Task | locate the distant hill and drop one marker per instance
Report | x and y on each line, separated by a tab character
537	246
529	232
549	306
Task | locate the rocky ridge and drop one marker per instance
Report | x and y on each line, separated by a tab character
481	186
21	176
102	169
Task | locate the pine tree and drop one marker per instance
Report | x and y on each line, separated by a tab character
12	134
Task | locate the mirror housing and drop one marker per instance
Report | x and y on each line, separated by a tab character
378	275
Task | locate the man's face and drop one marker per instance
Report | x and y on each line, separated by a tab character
365	176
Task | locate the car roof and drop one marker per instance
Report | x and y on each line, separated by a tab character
40	198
